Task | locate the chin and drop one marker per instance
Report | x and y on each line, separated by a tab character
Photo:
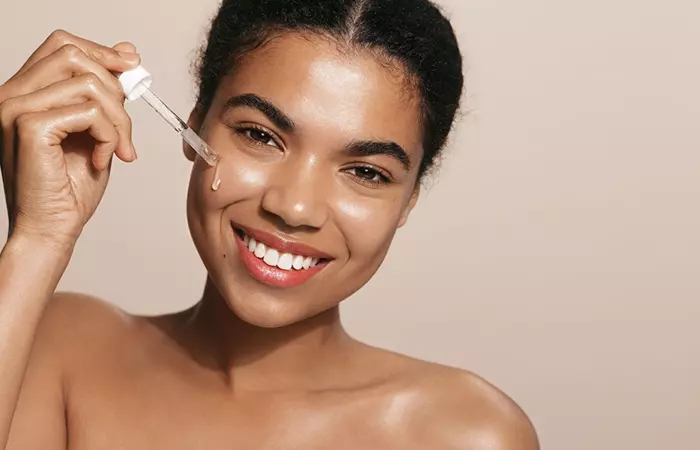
266	310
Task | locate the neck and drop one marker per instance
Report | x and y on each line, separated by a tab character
290	357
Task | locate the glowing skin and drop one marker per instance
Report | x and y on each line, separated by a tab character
262	361
301	184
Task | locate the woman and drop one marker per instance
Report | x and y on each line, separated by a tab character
326	115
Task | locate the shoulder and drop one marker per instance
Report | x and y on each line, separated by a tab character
477	415
456	409
76	329
73	306
79	339
71	316
66	342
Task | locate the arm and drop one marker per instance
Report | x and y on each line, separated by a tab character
29	274
61	114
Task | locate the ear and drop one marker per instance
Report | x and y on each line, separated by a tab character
409	206
195	122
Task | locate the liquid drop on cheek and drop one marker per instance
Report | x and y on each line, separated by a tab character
216	183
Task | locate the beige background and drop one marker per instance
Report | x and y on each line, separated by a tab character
559	253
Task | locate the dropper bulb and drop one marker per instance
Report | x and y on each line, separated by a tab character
135	82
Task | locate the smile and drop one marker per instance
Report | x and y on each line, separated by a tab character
276	258
277	262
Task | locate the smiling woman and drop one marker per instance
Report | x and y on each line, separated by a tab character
326	114
305	162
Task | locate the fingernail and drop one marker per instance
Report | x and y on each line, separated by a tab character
130	57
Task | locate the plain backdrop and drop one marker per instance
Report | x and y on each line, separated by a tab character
558	251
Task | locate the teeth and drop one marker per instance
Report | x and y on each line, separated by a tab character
285	262
272	257
260	250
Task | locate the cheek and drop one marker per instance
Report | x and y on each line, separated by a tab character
368	224
239	179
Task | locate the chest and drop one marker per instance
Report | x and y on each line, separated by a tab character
166	415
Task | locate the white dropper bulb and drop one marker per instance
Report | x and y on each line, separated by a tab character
136	83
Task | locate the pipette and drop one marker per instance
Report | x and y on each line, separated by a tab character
136	84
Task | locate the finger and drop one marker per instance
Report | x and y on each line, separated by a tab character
109	58
125	47
51	128
86	87
67	62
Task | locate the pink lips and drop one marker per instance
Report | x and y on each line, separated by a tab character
283	245
274	276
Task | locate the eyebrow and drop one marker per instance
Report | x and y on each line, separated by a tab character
285	123
370	148
280	119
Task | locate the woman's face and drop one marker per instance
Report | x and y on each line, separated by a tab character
320	150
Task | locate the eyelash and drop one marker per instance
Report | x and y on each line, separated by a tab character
246	130
382	177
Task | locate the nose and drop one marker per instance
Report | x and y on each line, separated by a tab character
296	196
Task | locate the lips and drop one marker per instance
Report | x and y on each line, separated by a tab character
282	245
277	262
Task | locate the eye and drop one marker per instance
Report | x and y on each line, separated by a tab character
369	175
258	136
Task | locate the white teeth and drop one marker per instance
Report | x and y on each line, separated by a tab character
271	257
274	258
307	262
285	262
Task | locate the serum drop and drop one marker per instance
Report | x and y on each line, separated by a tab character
216	184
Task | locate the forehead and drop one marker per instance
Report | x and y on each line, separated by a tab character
324	87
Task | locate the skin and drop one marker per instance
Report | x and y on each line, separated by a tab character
251	365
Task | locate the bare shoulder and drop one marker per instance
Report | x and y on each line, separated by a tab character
453	409
77	333
474	414
77	328
71	315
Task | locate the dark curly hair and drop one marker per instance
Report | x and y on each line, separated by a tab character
412	32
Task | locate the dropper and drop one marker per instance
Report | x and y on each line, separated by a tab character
136	83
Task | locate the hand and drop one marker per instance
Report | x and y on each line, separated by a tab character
62	118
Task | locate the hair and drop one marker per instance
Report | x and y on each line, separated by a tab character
413	33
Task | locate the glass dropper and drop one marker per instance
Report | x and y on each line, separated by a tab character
136	84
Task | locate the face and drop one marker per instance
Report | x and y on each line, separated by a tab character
320	150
